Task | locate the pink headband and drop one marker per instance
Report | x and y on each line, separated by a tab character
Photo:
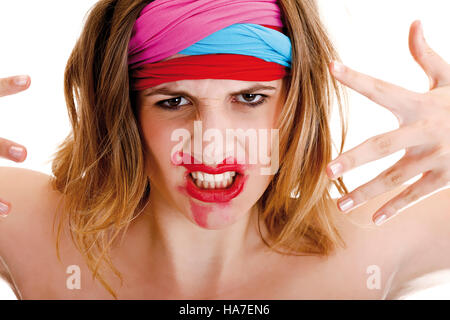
166	27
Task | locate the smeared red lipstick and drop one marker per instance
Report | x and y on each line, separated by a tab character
214	195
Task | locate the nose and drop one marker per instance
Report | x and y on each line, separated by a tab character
213	114
210	134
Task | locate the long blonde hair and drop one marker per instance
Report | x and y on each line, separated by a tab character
100	167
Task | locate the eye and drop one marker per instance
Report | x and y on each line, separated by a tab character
172	104
249	99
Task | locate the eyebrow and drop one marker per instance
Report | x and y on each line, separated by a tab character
169	92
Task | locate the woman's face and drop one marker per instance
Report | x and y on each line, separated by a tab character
210	194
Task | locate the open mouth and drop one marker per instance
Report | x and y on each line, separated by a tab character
220	187
213	184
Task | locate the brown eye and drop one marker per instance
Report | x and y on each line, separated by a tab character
249	99
172	104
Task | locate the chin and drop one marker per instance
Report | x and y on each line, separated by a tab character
214	216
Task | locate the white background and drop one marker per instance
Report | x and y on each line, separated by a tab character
36	38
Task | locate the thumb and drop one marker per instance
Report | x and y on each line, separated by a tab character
435	67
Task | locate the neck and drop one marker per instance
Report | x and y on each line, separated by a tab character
190	258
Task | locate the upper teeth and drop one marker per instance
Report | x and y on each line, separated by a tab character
206	180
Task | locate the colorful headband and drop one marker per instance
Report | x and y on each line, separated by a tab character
224	39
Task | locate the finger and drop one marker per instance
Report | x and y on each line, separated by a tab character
13	85
403	170
394	98
435	67
12	151
377	147
430	183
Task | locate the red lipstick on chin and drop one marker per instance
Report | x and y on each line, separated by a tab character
220	195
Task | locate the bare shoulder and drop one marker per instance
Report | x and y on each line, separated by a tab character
427	226
32	204
414	243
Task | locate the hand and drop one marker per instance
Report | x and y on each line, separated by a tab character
9	149
424	132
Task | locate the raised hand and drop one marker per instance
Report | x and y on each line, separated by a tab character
9	149
424	132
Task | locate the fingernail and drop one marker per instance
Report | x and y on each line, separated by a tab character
346	204
338	67
16	152
4	208
336	169
21	80
380	219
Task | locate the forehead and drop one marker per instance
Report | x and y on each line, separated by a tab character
216	86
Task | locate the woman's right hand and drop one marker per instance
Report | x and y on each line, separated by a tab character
8	86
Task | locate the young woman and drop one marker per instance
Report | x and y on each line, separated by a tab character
150	200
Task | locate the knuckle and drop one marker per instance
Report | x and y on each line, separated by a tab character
379	85
428	52
369	94
9	83
410	195
392	177
381	145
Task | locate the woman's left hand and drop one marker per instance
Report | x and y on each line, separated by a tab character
424	132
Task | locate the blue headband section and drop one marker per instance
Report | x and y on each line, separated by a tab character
246	39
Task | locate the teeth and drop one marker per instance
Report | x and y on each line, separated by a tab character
213	181
218	177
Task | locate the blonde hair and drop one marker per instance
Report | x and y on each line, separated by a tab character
100	167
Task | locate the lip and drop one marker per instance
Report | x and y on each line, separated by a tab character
216	195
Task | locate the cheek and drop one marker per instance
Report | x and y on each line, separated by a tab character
153	131
264	117
157	144
258	184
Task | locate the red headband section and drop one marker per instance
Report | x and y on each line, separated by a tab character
210	66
